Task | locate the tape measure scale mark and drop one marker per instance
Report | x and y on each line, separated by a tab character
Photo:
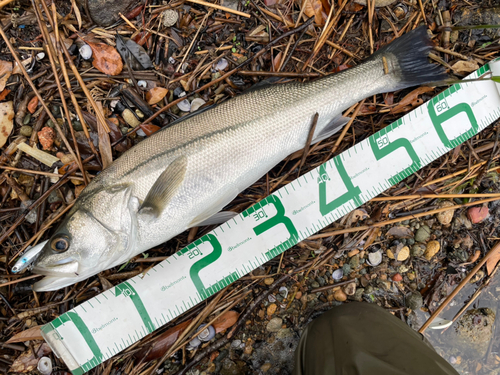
279	218
128	290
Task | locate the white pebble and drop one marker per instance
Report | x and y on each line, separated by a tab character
184	106
196	104
221	65
375	258
44	366
85	52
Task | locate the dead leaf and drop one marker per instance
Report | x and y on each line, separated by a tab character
411	99
163	342
277	61
106	58
371	238
33	104
5	73
226	320
357	215
389	98
33	333
4	94
28	360
149	129
492	261
156	94
400	232
17	69
464	67
475	257
315	8
6	121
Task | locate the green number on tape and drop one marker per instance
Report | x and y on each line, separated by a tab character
437	120
84	331
279	218
194	272
382	147
353	192
128	291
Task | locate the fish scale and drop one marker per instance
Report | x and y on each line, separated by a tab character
105	325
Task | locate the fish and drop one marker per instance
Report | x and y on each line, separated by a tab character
184	175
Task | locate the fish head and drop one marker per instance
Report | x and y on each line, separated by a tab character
81	247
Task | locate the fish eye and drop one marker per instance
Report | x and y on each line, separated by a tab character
60	244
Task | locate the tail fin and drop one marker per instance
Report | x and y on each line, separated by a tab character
410	53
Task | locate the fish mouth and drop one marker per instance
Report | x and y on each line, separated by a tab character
66	268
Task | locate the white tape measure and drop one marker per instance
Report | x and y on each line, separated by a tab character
105	325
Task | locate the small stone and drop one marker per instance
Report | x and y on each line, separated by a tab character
298	295
432	249
358	296
410	241
414	301
315	285
477	214
268	280
350	289
411	276
271	309
354	262
321	281
105	12
423	234
77	126
339	295
462	220
46	137
347	269
26	130
367	290
445	217
265	367
417	250
403	254
397	277
170	17
66	158
274	324
386	285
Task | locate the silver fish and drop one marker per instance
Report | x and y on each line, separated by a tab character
182	176
28	258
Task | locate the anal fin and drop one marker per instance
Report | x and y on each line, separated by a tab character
211	214
331	128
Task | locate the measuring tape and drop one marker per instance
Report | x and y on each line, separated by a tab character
105	325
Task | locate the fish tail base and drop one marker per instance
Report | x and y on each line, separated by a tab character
408	60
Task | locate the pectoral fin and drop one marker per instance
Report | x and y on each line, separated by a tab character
164	188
